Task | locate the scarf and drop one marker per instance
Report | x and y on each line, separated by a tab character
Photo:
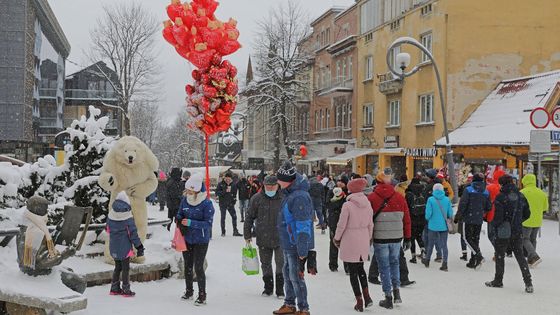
36	231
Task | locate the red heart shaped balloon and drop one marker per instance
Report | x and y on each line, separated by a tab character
168	33
175	10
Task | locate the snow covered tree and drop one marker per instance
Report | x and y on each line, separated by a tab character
84	159
280	64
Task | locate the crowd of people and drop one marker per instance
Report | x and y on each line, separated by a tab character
368	218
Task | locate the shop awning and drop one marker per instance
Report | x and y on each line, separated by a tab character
343	159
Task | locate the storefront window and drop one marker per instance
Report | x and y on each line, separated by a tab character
372	164
421	165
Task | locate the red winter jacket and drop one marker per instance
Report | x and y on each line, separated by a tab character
393	223
494	191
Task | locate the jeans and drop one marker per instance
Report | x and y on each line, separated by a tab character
294	286
530	241
195	256
319	213
387	256
517	244
243	207
266	254
358	279
403	268
124	267
437	239
417	238
425	240
223	210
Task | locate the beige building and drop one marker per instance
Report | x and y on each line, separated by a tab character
476	44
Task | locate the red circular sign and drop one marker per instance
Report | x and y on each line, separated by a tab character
540	118
555	117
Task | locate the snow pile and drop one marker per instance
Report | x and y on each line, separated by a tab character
503	118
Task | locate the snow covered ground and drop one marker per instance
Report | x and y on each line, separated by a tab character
460	291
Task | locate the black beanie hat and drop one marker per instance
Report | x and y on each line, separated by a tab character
287	172
478	177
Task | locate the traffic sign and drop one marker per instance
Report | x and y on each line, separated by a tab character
540	118
556	117
540	141
555	136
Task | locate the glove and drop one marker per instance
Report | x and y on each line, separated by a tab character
336	243
312	262
140	251
301	267
407	244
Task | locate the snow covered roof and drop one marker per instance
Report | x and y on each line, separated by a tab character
503	117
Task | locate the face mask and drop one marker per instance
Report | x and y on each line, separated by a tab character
270	193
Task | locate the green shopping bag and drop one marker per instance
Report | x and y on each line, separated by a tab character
250	261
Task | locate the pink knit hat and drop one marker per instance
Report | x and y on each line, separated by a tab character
357	185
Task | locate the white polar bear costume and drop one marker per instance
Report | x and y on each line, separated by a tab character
130	166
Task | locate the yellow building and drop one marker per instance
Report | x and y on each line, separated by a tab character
476	44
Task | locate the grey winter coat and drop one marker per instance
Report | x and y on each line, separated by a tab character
264	210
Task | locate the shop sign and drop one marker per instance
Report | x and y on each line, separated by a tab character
391	142
421	152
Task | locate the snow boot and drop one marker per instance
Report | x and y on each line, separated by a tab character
128	293
533	262
388	302
438	259
464	257
426	262
189	293
201	300
444	267
312	262
116	288
374	280
236	233
529	288
478	262
407	283
367	298
285	310
397	296
359	307
472	262
413	260
268	285
280	286
494	284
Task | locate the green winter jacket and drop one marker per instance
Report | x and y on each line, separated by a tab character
538	201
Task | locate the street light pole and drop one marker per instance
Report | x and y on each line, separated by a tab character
403	59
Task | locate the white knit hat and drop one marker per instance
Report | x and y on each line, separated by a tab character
122	196
337	192
438	187
194	183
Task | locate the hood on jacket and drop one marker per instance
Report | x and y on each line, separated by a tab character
300	183
529	180
359	199
479	187
384	190
176	174
499	173
120	211
439	194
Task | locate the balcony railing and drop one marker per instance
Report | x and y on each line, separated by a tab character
91	94
47	93
340	84
49	123
388	84
334	133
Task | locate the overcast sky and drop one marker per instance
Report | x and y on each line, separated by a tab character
77	17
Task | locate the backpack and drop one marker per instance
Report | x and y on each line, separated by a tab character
418	208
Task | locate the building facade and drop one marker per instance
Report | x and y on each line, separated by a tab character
33	51
476	44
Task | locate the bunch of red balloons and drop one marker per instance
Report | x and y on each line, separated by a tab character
202	39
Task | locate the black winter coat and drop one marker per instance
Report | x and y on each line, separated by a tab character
316	192
511	206
334	208
226	198
174	189
474	203
264	211
244	189
415	198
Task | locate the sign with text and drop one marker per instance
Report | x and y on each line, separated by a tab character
391	142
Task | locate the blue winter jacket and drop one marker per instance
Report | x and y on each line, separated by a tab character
201	218
122	234
434	212
474	203
295	220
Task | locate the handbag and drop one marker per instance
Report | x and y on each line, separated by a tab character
249	261
451	226
178	242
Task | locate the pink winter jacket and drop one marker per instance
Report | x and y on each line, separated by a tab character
355	228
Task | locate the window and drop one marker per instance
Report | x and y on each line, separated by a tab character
394	113
427	108
426	10
343	70
350	68
328	118
369	68
368	115
321	124
426	41
343	116
371	15
338	116
369	37
306	122
328	36
316	121
338	74
393	56
348	121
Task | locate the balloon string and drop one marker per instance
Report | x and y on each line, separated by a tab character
207	168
